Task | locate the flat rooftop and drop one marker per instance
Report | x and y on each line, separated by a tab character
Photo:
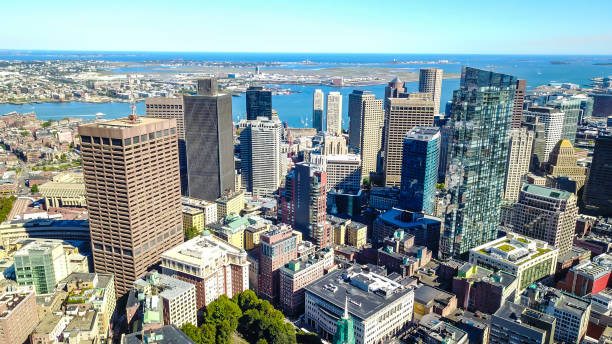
201	251
513	249
125	122
168	334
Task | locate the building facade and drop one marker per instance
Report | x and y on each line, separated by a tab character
277	247
514	323
334	113
318	99
18	317
519	157
258	103
552	119
598	190
430	81
366	121
519	100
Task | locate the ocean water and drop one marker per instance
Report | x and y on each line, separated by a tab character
296	108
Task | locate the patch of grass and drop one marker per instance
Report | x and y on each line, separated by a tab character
506	248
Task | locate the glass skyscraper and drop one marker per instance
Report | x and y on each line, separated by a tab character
478	151
258	103
420	157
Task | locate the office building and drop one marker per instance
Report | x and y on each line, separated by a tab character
66	189
598	190
209	142
198	213
553	126
534	124
546	214
304	203
563	164
167	334
379	307
164	107
343	171
424	228
527	259
514	323
519	100
432	329
571	110
445	133
277	247
133	194
519	157
589	277
317	109
366	120
333	145
297	274
395	88
230	203
260	156
230	229
334	113
572	312
18	317
478	157
401	115
161	299
258	103
430	81
420	169
42	264
212	265
483	290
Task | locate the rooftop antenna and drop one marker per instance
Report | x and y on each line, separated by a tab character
132	116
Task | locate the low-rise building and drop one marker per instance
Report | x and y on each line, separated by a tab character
480	289
429	300
379	307
425	229
230	203
198	213
16	230
514	323
66	189
588	278
528	259
433	330
166	335
18	317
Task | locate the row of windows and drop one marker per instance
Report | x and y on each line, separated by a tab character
128	141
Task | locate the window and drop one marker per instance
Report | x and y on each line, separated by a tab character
106	141
127	141
151	136
117	142
143	138
173	131
136	139
96	140
166	132
86	139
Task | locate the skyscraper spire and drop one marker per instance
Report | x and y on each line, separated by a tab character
345	316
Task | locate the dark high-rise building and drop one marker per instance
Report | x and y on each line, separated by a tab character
317	109
598	189
519	100
258	103
131	171
430	81
303	203
209	142
478	154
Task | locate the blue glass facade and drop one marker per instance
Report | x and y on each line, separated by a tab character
421	153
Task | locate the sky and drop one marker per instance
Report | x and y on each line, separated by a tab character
333	26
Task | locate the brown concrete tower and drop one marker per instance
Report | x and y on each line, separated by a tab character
519	99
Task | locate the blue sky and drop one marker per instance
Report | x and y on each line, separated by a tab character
376	26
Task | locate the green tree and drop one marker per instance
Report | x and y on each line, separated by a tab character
208	333
307	338
6	204
261	341
63	157
224	332
34	188
223	309
190	233
193	333
247	300
366	182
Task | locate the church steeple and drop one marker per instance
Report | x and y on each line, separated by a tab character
345	331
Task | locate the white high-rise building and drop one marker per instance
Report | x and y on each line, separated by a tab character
343	170
334	113
553	123
519	156
317	109
260	156
430	81
366	121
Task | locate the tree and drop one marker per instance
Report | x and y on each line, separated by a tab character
208	333
366	182
224	332
63	157
223	309
193	333
34	188
246	300
307	338
261	341
190	233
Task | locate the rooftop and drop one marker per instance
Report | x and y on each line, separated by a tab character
427	295
512	312
166	286
125	122
513	249
169	334
202	251
423	133
547	192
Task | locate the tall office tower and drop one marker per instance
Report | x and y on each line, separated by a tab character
343	170
532	123
430	81
209	141
519	100
258	103
519	157
260	156
401	115
394	88
303	203
598	189
162	107
563	165
571	110
133	194
277	247
334	113
317	109
420	169
553	126
546	214
478	153
445	133
366	120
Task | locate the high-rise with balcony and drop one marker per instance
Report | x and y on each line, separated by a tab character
401	115
420	169
209	142
430	81
260	156
258	103
478	154
317	109
303	203
131	171
519	157
366	120
334	113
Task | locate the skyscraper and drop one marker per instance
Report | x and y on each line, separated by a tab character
163	107
519	157
366	121
304	201
394	88
563	163
533	123
317	109
519	100
420	169
131	174
334	113
571	111
430	81
260	156
276	247
553	126
546	214
209	141
258	103
401	115
598	189
478	151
